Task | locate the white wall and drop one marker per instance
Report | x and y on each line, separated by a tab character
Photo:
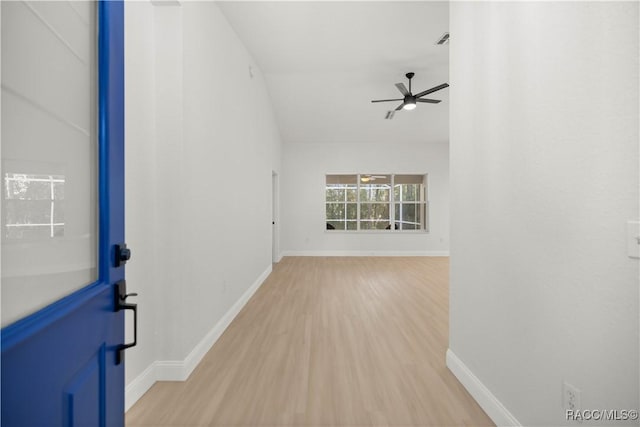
303	187
232	145
201	147
544	176
140	184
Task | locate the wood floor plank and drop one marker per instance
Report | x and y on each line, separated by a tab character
327	341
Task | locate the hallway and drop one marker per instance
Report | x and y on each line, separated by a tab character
327	341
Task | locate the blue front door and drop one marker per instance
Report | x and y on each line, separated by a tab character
62	213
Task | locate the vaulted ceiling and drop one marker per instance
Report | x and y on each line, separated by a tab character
325	61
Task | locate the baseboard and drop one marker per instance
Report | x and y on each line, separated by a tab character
139	386
487	401
179	370
171	370
366	253
207	342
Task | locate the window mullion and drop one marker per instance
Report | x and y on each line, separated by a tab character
392	210
358	203
401	205
423	205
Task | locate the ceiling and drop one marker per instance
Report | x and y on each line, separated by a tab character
325	61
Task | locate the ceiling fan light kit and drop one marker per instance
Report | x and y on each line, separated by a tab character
368	178
409	105
409	102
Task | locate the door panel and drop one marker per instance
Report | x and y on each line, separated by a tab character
46	376
85	391
59	363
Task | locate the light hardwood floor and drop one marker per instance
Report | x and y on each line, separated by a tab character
351	341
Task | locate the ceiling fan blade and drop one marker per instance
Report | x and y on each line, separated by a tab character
429	101
433	89
387	100
400	107
403	89
390	114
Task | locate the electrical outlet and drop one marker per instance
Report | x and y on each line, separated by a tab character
570	397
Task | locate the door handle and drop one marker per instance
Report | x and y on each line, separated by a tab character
121	296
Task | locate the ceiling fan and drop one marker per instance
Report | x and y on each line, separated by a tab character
409	101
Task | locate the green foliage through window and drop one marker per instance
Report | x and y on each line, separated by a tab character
376	202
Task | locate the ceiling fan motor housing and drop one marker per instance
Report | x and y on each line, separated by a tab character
408	97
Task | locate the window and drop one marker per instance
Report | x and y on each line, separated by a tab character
375	195
341	195
374	202
410	203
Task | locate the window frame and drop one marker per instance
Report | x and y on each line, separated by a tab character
345	202
422	204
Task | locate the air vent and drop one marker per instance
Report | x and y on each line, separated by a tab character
444	39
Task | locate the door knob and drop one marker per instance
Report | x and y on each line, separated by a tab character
123	254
